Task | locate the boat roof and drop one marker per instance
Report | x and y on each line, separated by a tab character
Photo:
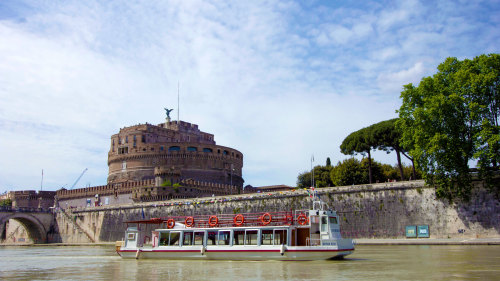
260	219
224	228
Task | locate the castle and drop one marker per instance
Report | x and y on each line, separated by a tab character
159	162
172	151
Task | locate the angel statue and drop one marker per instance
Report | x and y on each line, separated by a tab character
167	111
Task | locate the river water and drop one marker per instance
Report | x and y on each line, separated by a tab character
368	262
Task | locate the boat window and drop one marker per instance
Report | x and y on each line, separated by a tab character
324	224
279	236
224	237
239	236
174	238
198	238
267	237
131	236
333	220
251	237
212	235
187	239
164	238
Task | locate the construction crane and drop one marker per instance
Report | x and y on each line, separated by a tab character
78	178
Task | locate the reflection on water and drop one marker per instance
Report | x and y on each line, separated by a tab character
368	262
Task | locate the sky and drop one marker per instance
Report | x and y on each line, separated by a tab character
279	81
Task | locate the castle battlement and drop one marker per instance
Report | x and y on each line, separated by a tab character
139	152
174	159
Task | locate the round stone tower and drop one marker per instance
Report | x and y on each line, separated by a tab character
172	151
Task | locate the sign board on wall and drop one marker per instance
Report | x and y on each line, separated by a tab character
423	231
411	231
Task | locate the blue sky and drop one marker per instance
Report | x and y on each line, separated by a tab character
277	80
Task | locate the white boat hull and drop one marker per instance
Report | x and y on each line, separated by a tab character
238	252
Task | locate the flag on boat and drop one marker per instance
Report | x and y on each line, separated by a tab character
309	192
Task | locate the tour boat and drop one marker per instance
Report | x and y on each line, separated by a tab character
294	235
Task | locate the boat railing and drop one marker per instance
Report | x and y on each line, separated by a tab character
320	242
313	242
231	220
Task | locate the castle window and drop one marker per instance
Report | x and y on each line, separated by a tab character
152	149
135	144
135	138
218	151
192	148
143	138
126	139
122	150
161	148
225	152
174	148
237	156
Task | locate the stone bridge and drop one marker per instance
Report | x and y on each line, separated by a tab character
37	222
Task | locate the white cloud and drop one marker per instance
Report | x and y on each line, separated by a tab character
392	81
278	81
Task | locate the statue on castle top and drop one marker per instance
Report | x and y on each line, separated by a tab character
167	111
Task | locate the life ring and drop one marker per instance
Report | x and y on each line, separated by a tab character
266	219
302	219
189	221
170	223
213	221
239	219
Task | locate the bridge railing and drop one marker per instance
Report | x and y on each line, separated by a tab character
24	209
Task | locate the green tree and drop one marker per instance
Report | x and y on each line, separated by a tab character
304	180
393	172
451	119
328	162
348	172
377	171
359	142
387	137
166	183
6	202
321	177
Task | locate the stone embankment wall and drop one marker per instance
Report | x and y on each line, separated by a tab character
70	231
366	211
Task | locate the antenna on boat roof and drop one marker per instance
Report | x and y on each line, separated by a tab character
317	202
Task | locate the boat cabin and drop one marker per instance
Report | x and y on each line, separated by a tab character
303	228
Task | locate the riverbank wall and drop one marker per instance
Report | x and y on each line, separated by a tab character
366	211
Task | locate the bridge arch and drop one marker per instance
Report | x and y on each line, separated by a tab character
35	228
